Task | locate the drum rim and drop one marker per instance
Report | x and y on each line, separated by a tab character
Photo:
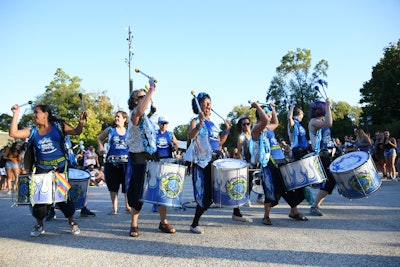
242	162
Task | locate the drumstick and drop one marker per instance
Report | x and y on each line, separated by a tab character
25	104
83	104
141	72
321	82
197	101
218	114
317	89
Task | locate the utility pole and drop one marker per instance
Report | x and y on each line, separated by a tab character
129	59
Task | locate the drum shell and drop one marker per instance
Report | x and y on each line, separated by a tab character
304	172
42	188
79	181
359	182
230	178
23	195
163	184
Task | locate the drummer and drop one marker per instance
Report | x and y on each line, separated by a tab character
50	153
209	138
142	147
323	145
166	143
297	133
267	152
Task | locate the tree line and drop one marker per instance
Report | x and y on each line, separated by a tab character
295	80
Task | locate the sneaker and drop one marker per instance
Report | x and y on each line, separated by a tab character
260	200
9	192
196	230
241	219
267	221
51	215
85	212
75	229
154	208
315	211
37	230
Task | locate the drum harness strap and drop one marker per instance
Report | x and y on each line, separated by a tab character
51	162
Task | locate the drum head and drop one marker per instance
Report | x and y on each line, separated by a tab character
349	161
77	174
230	163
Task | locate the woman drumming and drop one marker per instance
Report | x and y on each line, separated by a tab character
48	140
243	145
142	147
116	161
204	129
267	152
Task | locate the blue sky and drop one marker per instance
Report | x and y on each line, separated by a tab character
229	49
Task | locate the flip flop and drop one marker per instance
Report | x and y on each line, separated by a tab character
298	217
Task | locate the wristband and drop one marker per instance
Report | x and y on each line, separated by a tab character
198	126
152	87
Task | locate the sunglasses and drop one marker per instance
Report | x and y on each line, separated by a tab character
163	123
141	96
246	124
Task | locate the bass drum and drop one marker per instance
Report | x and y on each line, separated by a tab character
355	174
230	182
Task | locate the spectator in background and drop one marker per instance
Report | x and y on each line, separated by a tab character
226	153
390	145
96	176
378	155
80	159
13	159
363	140
235	153
91	158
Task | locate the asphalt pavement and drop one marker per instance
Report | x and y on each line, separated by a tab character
358	232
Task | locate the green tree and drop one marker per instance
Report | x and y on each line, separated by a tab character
295	80
381	94
64	96
5	121
181	132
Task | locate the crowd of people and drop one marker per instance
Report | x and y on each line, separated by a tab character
125	147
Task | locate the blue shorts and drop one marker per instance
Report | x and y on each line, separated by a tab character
12	165
389	152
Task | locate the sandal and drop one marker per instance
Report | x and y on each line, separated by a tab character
166	228
134	232
298	217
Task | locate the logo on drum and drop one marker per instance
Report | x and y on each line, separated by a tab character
236	188
171	185
75	193
361	182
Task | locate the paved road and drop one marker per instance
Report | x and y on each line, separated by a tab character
361	232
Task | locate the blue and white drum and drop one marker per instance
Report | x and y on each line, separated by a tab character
304	172
23	196
230	182
355	175
163	183
79	181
